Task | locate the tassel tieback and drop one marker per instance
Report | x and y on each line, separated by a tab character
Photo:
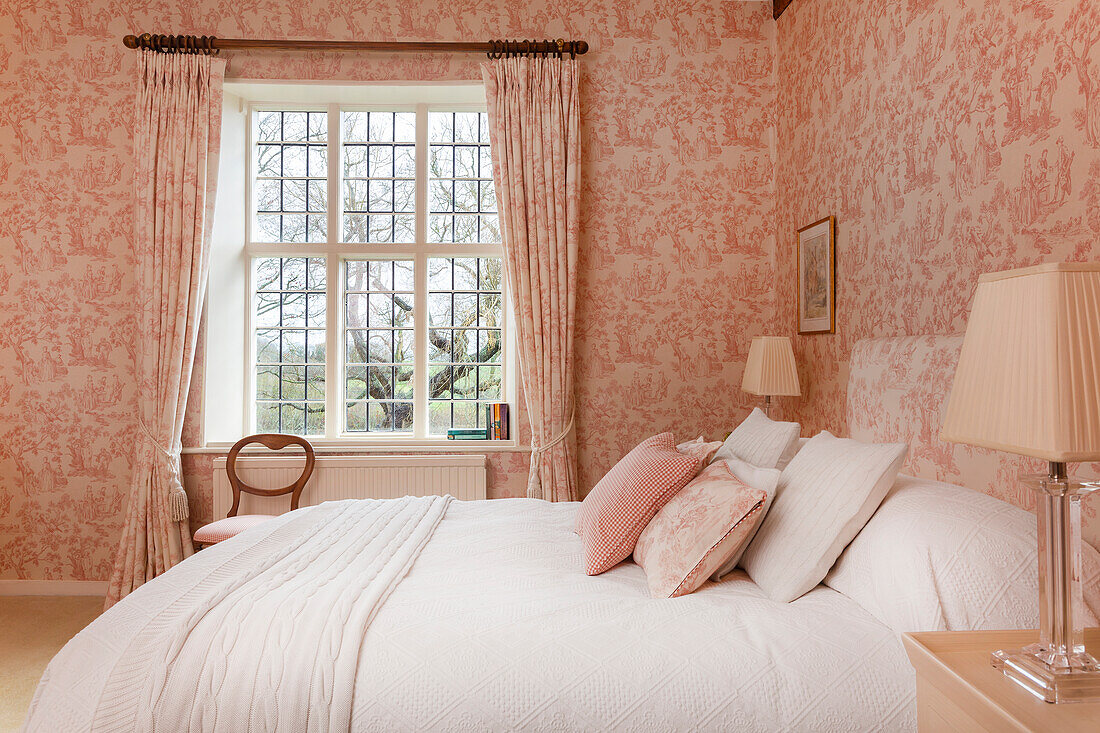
177	505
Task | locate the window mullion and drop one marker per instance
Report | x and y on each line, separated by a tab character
334	355
249	423
420	305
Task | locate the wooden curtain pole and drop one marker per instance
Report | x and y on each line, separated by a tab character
212	45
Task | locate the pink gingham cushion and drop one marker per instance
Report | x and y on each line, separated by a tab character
223	529
700	528
620	506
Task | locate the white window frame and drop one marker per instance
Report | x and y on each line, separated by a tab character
421	99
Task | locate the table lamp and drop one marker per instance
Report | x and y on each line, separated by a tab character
770	369
1028	382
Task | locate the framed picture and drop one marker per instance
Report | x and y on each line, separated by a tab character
817	277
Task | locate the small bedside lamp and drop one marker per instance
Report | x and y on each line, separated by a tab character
1028	382
770	369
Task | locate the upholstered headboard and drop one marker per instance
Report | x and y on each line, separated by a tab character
897	392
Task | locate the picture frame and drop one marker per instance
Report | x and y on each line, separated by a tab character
817	277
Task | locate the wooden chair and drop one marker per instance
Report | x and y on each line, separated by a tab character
233	524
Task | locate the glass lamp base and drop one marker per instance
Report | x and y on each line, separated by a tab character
1057	669
1077	680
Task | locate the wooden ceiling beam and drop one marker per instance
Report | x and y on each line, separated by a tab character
778	6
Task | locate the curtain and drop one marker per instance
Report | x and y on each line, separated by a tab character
176	142
534	120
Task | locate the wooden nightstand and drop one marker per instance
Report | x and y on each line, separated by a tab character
958	689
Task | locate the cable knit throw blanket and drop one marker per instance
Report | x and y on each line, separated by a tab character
285	610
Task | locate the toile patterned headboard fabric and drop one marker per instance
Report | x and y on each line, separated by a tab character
897	391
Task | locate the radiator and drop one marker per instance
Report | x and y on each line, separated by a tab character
349	477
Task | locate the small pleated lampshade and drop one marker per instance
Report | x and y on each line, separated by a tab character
770	368
1028	377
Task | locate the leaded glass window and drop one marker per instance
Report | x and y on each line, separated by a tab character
377	283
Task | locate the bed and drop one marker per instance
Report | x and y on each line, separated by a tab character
433	614
507	633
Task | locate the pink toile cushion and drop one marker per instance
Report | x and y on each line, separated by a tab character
700	528
620	506
223	529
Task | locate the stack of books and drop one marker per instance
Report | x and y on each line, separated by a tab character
496	418
496	425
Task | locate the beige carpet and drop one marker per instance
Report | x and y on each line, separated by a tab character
32	630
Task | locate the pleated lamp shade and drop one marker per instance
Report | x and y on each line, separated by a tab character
1028	378
770	368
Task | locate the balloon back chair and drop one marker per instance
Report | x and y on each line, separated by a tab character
233	524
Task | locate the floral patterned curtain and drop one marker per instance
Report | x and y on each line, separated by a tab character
534	121
175	148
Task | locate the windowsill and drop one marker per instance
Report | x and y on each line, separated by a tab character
384	445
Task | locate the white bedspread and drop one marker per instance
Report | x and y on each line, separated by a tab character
496	627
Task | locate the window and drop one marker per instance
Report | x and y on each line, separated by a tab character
376	304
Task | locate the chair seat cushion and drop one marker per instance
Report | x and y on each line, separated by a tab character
223	529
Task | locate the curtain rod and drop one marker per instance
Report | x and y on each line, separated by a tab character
212	45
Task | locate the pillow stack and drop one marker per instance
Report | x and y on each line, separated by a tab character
782	508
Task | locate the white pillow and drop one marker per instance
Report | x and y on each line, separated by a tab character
764	479
825	496
938	557
761	441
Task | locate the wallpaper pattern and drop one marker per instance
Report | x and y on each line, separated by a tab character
677	239
992	161
949	139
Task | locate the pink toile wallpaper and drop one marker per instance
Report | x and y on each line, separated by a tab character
949	139
677	235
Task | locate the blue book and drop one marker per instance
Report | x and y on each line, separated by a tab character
466	434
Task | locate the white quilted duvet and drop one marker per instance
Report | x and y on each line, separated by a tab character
496	627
